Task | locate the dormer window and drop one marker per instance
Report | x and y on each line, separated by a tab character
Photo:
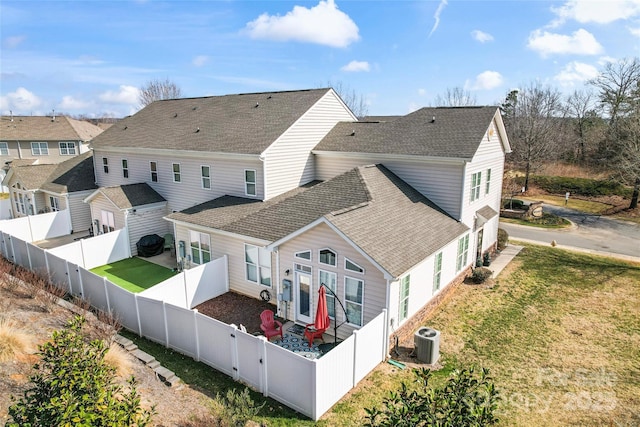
328	257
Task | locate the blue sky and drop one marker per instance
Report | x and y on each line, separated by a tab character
90	57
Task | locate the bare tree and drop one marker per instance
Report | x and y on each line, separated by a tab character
356	102
580	109
456	97
156	90
628	159
534	125
616	85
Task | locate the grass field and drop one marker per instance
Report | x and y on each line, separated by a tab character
559	330
134	274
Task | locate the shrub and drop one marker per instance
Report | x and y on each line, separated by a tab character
580	186
513	204
466	399
12	341
503	238
480	274
72	385
237	408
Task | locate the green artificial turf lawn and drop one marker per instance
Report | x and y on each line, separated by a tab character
134	274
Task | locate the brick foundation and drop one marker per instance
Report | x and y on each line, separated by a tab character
408	328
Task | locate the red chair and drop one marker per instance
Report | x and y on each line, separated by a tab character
312	333
270	326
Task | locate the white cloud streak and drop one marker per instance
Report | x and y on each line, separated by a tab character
576	72
487	80
436	16
598	11
481	36
21	101
13	42
200	60
356	66
581	42
322	24
127	95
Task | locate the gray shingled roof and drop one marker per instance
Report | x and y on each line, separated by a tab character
43	128
389	220
455	132
75	174
131	195
245	123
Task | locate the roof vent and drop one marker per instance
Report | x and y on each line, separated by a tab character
175	115
197	130
125	128
433	119
257	105
353	132
11	112
194	108
269	97
53	116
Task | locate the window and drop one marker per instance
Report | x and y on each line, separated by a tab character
437	271
4	149
488	183
39	149
353	289
328	257
108	221
67	148
205	172
475	185
463	251
176	172
54	202
303	255
153	168
302	268
330	280
352	266
258	264
250	182
403	309
105	165
125	168
200	247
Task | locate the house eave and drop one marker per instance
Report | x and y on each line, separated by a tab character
209	230
403	157
183	154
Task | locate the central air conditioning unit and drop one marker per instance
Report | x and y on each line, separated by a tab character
427	345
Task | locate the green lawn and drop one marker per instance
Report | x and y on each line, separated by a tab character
134	274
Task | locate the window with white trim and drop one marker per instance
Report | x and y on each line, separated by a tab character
463	252
54	202
303	268
108	221
258	264
352	266
67	148
303	255
205	173
437	271
331	281
200	247
125	168
153	168
105	165
177	176
353	299
403	308
475	185
39	148
488	182
328	257
250	182
4	149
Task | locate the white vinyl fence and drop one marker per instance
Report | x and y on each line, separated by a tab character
163	314
34	228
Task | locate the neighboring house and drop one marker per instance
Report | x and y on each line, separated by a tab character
35	188
407	204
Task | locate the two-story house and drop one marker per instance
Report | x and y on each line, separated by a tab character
298	193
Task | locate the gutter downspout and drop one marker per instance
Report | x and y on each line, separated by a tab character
278	310
388	319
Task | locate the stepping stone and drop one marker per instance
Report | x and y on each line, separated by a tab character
164	375
122	340
144	357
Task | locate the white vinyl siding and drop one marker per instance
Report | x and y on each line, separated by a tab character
79	211
226	178
39	149
67	148
147	220
288	161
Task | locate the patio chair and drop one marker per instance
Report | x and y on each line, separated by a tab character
270	326
169	242
311	333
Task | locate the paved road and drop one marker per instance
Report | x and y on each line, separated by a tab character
589	232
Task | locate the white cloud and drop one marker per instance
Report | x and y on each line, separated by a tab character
200	60
13	42
487	80
322	24
422	92
356	66
436	16
604	60
635	31
600	12
20	102
581	42
125	95
576	72
71	103
481	36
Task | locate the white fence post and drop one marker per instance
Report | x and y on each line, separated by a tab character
264	385
106	294
66	273
385	335
26	245
234	353
135	297
13	251
30	228
166	328
195	328
355	358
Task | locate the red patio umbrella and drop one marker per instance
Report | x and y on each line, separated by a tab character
322	317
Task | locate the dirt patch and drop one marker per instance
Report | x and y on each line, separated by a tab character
237	309
174	406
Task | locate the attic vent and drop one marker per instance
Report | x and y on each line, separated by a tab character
433	119
257	105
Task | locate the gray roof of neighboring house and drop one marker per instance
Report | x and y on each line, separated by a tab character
131	195
432	132
75	174
384	216
44	128
245	123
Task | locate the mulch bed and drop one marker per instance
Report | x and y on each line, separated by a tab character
237	309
